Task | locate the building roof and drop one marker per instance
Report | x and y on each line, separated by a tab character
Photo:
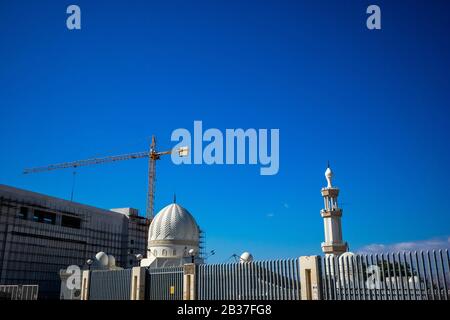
57	204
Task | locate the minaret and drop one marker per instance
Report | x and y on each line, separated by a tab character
331	214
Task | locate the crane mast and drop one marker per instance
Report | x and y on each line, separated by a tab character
152	156
151	179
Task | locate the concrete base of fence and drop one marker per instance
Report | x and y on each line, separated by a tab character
189	282
85	284
310	277
137	283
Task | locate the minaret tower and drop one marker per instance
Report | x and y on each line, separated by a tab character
331	214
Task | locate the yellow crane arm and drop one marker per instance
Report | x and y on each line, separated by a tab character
88	162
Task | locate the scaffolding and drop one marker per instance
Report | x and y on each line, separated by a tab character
202	244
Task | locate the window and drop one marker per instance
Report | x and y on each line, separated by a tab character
155	253
44	217
164	252
71	222
23	213
131	241
174	253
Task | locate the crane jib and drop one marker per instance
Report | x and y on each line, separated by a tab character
152	154
87	162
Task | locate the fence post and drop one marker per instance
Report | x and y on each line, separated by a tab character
310	277
189	283
85	284
137	283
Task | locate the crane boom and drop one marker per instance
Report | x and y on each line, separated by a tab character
152	155
87	162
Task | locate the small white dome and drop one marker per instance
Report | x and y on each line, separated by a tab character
346	256
111	261
246	257
347	266
174	223
102	258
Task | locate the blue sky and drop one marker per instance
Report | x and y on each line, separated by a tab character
374	103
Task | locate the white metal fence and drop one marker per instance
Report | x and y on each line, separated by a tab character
110	285
258	280
164	283
389	276
19	292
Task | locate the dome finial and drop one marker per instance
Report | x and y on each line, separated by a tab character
329	175
174	198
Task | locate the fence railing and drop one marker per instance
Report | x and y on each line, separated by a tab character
258	280
388	276
110	285
164	283
19	292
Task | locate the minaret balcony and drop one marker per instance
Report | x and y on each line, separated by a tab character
334	248
331	213
330	192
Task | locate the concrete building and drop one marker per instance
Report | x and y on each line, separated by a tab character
40	235
332	214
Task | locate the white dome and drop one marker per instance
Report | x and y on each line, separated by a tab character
246	257
174	223
346	256
102	258
111	261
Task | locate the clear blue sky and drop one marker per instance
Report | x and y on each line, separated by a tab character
374	103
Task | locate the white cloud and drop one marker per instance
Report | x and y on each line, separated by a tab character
430	244
286	205
270	215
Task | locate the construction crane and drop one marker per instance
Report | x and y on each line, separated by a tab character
152	156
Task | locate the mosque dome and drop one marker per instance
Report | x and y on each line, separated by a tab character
174	223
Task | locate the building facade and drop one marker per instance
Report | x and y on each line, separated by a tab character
40	235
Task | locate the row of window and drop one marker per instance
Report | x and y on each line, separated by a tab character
49	218
164	252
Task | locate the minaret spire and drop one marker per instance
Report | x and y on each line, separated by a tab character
331	215
329	175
